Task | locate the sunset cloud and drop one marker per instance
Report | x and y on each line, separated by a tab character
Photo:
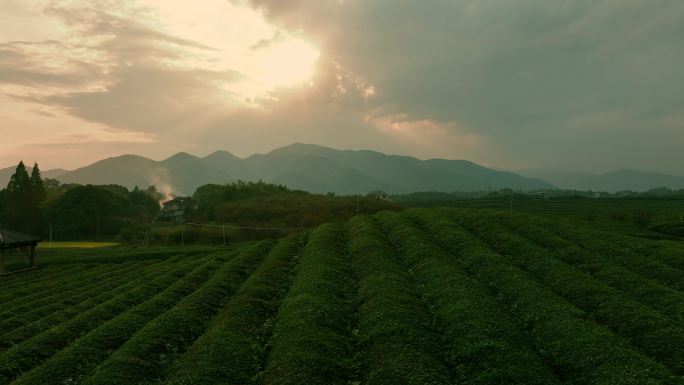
535	83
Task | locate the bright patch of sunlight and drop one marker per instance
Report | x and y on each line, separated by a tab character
289	63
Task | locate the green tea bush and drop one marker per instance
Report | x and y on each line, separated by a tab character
482	343
36	308
397	338
146	355
312	341
580	350
82	356
22	327
232	348
35	350
644	290
647	329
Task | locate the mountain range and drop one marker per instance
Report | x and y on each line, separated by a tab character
299	166
320	169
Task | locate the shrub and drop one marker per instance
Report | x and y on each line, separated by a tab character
77	360
482	343
578	348
146	355
23	356
312	340
396	336
232	349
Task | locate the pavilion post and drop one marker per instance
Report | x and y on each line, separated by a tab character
2	262
32	257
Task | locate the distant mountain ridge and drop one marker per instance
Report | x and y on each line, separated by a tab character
615	181
321	169
302	166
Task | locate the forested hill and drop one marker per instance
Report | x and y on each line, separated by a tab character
302	166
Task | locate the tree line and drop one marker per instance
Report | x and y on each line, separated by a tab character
39	206
72	212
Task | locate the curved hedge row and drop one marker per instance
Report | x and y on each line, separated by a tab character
68	283
24	293
24	331
33	351
232	349
64	306
41	275
667	252
79	284
581	351
76	361
482	342
146	355
644	290
312	341
397	340
624	247
44	274
642	257
644	327
446	296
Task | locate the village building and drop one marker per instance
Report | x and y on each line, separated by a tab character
380	195
175	209
545	195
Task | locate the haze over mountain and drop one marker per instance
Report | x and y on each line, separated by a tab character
609	182
302	166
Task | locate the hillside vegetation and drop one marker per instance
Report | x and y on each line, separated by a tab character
423	296
70	212
268	205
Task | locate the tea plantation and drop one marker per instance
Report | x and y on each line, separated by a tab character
425	296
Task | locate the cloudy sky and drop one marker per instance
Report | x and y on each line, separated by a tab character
555	84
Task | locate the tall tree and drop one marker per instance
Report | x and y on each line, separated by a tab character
23	199
19	181
18	199
4	208
37	186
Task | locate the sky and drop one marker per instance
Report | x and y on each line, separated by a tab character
582	85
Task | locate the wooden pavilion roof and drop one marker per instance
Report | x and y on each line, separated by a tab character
10	239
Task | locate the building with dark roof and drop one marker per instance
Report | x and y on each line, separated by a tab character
10	239
381	195
175	209
14	240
